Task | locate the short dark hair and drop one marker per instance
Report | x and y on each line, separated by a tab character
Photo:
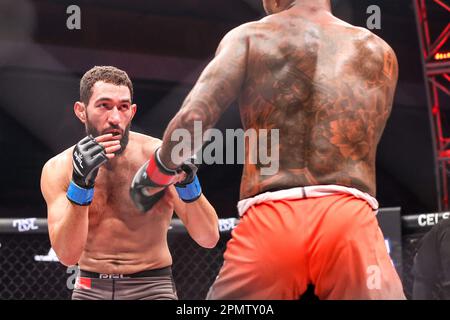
106	74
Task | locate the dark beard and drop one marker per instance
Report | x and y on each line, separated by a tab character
123	142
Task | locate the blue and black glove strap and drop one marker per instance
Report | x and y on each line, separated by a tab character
78	195
190	192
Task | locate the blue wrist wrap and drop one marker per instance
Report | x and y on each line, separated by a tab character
190	192
78	195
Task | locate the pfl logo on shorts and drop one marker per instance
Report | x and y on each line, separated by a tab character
24	225
110	276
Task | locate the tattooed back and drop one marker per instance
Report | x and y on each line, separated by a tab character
328	87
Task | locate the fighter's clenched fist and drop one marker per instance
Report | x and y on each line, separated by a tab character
87	157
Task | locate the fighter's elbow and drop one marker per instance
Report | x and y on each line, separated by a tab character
68	250
210	241
66	255
67	260
208	244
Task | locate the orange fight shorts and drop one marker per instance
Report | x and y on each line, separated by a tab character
332	242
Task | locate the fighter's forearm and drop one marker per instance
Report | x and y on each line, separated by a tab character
202	222
191	139
217	87
204	106
68	234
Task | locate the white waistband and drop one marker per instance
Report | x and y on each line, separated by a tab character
305	192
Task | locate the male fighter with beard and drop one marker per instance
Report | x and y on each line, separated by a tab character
121	251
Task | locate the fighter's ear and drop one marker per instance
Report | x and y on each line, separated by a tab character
80	111
133	110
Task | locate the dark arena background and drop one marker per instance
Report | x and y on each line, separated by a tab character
164	45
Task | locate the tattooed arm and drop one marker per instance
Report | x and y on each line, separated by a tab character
218	86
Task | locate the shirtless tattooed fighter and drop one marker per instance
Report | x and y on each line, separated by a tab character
328	87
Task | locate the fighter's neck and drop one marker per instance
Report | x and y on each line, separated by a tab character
316	5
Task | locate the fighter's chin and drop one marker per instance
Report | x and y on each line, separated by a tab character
120	152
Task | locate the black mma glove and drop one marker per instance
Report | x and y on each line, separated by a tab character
88	155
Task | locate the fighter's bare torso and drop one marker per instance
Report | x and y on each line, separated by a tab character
328	87
120	238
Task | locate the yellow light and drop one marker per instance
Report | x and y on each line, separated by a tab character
442	55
